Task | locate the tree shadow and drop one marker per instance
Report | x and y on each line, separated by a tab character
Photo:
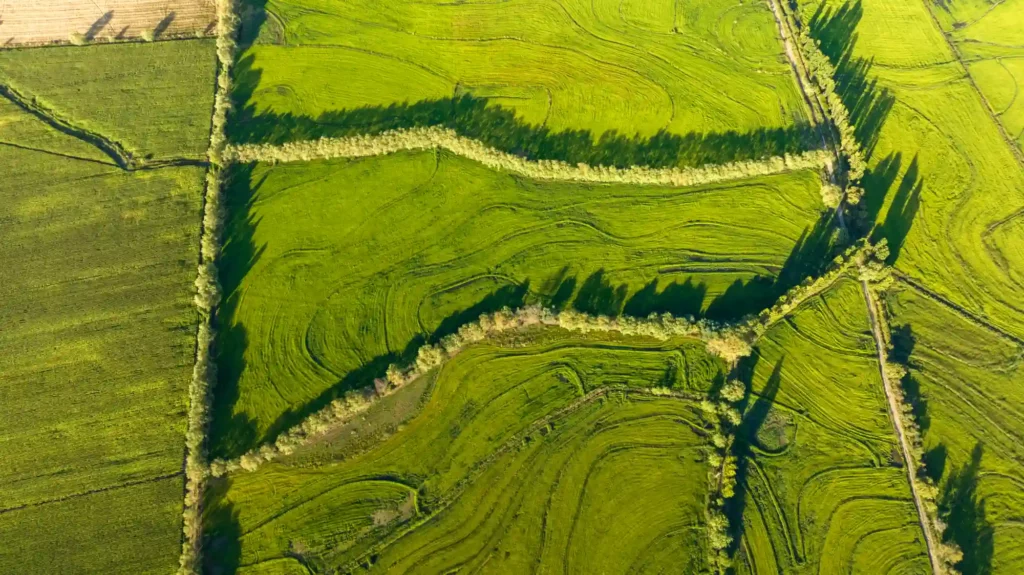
163	25
232	433
222	531
934	461
754	417
963	510
869	105
98	26
678	299
252	16
902	211
597	296
499	127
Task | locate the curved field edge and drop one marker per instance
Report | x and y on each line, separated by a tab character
489	409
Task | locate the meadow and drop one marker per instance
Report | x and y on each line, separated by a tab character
541	453
334	269
947	190
99	328
155	99
601	67
824	492
988	41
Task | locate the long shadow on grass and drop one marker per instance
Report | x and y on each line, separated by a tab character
963	510
232	433
222	532
754	416
499	127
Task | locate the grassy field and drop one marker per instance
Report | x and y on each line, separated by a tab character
516	460
824	491
944	186
967	384
949	194
335	269
98	339
988	39
154	99
632	67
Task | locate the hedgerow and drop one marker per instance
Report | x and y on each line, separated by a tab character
208	293
437	137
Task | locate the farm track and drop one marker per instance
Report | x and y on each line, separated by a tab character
894	412
121	157
897	422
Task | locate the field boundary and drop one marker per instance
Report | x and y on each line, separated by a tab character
89	492
443	138
727	340
208	293
122	158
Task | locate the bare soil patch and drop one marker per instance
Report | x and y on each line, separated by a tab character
38	22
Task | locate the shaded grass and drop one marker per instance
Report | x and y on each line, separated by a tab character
335	269
490	453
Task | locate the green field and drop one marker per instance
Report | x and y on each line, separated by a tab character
335	269
988	38
632	67
97	343
518	460
949	193
969	379
825	491
154	99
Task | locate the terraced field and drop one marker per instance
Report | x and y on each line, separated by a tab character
630	67
824	489
522	457
949	190
967	379
98	335
334	269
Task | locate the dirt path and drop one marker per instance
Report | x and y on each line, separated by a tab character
894	414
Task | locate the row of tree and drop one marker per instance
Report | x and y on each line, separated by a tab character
444	138
208	294
723	417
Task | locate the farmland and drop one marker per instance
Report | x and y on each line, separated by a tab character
334	269
98	339
597	67
507	440
352	286
947	190
824	490
63	21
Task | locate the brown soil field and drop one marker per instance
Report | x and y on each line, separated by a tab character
36	22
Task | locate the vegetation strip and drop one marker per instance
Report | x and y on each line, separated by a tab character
90	492
207	297
730	341
436	137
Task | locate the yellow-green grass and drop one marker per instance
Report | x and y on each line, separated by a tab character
989	40
634	67
333	269
126	530
966	381
154	99
96	351
947	189
516	460
824	489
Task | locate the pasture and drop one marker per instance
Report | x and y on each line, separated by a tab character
818	455
99	332
334	269
947	191
534	455
155	100
988	40
627	67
